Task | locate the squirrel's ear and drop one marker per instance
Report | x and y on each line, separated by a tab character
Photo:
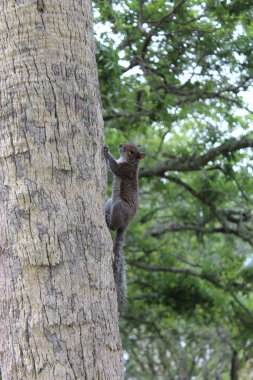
141	155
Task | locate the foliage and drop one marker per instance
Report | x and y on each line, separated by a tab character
173	78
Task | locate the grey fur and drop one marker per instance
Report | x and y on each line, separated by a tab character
121	208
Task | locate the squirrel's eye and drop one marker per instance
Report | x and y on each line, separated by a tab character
131	151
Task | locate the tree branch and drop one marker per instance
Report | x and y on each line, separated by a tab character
159	231
194	163
167	18
179	270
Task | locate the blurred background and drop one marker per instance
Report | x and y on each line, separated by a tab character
176	77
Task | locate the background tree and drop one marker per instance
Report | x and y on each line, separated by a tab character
174	78
58	312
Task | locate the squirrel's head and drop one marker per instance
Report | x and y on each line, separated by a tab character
130	153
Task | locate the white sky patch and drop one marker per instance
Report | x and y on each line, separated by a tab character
125	64
248	98
239	31
248	262
134	72
146	27
101	28
241	58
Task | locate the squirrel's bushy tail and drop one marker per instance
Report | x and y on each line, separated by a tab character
119	269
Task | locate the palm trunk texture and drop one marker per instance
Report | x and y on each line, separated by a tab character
58	311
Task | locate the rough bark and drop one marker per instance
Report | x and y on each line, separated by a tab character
58	313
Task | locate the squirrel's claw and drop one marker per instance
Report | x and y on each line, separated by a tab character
106	151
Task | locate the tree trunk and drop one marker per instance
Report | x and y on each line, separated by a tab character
58	312
234	375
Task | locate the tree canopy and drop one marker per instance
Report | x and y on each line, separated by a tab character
175	77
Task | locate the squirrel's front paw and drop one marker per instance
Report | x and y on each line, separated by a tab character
106	151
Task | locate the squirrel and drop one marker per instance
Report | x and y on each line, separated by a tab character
121	207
